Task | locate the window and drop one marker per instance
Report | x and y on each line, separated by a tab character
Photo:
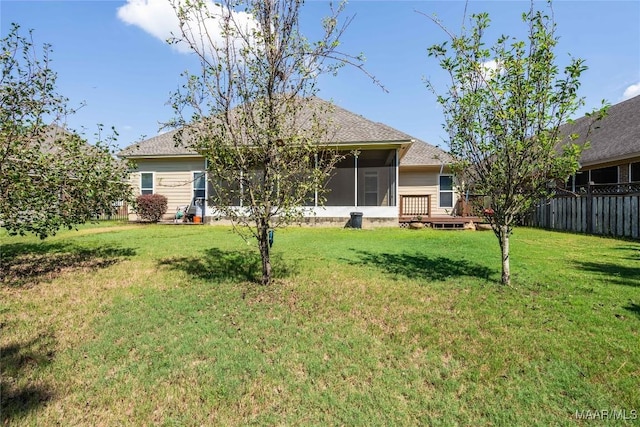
605	175
446	191
634	172
578	180
199	185
146	183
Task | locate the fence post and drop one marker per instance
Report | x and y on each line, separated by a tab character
589	209
547	209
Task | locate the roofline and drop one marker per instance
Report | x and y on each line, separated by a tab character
629	158
357	144
426	165
335	145
159	156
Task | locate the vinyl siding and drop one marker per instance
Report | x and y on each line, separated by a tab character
173	178
423	182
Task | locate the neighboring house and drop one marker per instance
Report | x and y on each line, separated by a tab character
614	153
383	171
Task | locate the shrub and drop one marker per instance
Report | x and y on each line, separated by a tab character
151	207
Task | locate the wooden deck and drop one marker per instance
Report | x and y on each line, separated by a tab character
416	209
445	222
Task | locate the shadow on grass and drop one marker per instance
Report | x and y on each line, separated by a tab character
24	264
419	266
234	266
613	273
633	250
634	308
19	361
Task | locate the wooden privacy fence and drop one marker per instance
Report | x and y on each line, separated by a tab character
611	210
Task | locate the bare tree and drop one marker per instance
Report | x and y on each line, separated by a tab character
251	110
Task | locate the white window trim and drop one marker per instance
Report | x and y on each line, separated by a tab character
193	183
440	191
153	182
193	188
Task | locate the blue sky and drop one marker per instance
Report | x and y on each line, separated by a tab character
125	74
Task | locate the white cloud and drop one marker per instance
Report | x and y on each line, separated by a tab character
487	71
158	18
631	91
490	69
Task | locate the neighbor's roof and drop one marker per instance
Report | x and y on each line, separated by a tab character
347	128
614	138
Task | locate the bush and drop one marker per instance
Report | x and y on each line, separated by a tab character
151	207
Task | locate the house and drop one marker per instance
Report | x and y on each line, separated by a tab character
603	197
614	153
386	174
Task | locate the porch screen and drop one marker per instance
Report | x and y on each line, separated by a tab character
340	186
230	195
377	178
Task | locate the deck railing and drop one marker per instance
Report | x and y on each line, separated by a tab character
604	189
414	206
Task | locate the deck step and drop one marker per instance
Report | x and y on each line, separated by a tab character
449	225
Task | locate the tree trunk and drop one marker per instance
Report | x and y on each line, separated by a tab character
263	243
504	248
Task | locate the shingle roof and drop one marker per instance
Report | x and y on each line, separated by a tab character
615	137
160	145
347	128
422	154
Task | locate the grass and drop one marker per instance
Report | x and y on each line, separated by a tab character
164	325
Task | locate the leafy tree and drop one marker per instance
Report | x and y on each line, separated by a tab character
49	178
503	111
251	110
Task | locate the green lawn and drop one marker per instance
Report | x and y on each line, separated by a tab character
162	325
